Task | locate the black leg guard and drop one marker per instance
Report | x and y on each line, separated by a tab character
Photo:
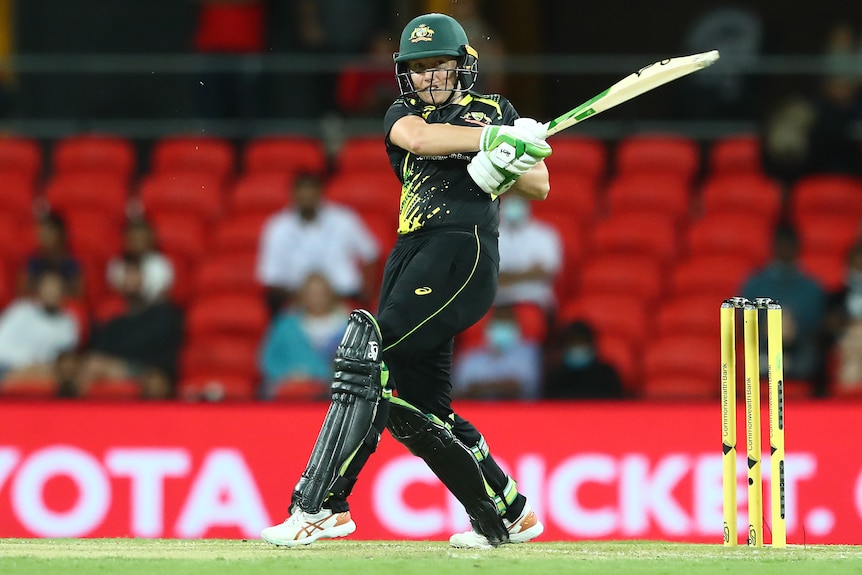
343	485
452	462
356	389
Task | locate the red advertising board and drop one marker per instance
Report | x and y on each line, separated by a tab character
591	470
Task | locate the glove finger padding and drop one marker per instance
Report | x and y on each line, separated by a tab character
535	128
490	178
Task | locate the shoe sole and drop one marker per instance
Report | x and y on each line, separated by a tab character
331	533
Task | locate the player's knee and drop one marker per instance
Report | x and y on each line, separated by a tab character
358	368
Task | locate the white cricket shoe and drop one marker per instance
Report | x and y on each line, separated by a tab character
525	528
303	528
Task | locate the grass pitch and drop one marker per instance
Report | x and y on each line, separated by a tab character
218	557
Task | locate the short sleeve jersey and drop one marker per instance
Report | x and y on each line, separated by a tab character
437	191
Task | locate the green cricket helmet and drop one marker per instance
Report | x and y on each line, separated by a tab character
435	35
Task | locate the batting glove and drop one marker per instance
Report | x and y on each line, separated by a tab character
492	179
515	148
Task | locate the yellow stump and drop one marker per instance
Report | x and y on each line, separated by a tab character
752	424
728	420
775	349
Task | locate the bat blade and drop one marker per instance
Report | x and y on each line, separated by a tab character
633	85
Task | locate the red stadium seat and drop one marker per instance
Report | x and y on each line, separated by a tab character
21	155
104	193
6	284
746	236
375	191
826	194
91	235
244	315
631	275
662	153
735	155
92	153
652	193
180	235
638	234
239	233
284	155
828	268
532	321
672	387
229	355
695	315
684	355
742	192
16	193
835	233
184	192
624	357
363	154
17	238
580	157
193	154
722	274
226	274
384	228
572	195
262	193
610	315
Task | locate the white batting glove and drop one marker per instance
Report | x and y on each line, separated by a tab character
492	179
534	128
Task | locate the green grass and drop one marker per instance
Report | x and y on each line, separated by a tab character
217	557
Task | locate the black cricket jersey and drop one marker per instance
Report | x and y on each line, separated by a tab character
437	191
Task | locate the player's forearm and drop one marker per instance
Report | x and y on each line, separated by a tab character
422	139
535	184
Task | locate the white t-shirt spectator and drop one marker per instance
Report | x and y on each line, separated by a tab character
523	246
334	244
29	335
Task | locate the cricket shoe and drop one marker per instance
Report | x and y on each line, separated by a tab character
303	528
525	528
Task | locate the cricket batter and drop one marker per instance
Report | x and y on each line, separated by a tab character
455	152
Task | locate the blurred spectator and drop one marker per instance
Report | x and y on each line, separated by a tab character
140	344
530	256
507	366
837	107
300	345
139	241
843	325
312	235
484	39
580	373
52	253
803	304
230	27
335	27
366	87
786	150
724	91
35	332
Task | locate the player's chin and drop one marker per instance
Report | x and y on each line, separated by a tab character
434	97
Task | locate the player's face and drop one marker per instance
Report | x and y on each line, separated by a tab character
434	78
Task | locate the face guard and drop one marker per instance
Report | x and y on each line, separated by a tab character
432	35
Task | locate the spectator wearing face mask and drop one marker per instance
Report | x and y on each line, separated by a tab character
507	366
579	372
530	256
